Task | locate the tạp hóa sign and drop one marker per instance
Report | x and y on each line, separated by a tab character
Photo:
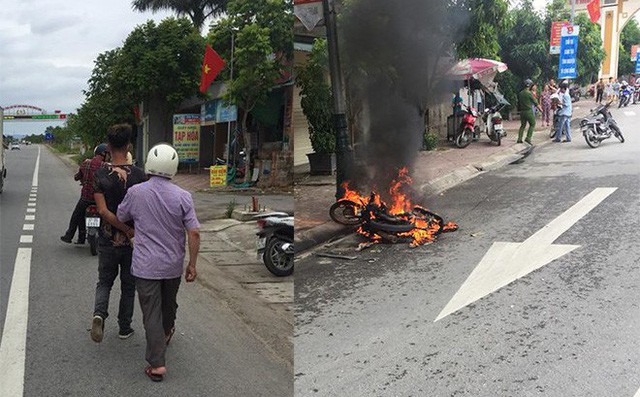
186	137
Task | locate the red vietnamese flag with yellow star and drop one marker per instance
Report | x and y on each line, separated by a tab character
594	10
211	66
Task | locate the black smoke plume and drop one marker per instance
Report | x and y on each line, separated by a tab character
395	54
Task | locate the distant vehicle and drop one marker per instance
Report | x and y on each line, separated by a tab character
14	146
3	170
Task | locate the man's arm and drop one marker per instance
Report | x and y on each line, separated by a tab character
193	238
109	216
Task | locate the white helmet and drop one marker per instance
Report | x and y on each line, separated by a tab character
162	160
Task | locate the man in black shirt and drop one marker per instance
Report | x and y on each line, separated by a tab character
114	241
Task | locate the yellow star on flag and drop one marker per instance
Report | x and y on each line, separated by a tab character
206	69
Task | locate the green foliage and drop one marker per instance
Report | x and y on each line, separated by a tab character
525	49
429	140
488	20
197	10
316	98
263	43
156	60
629	37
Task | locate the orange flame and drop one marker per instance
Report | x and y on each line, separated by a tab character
425	231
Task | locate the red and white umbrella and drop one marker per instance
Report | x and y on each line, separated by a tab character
477	68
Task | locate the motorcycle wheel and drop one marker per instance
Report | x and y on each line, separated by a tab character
552	132
92	245
464	138
276	261
344	212
592	138
617	133
499	139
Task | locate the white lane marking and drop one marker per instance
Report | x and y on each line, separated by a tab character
32	199
26	238
29	217
507	262
34	181
31	204
33	195
629	113
14	334
28	226
13	344
31	210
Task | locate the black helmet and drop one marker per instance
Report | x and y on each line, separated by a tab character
528	83
101	149
564	85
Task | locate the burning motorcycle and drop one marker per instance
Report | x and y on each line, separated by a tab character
600	125
381	222
92	222
275	242
467	131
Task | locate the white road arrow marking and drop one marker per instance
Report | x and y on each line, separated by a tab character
629	113
507	262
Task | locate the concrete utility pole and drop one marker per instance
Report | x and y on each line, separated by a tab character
343	148
573	10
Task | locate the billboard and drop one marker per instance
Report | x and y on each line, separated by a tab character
186	137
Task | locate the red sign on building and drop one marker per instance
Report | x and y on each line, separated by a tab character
556	32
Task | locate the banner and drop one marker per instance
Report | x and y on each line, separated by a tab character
217	175
309	12
186	137
214	112
638	63
568	67
556	32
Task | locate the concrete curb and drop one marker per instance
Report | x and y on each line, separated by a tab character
320	234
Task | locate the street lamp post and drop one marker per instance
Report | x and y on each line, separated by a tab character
230	79
343	148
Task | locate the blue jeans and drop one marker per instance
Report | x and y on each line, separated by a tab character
564	124
110	261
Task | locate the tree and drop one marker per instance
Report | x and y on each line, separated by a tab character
487	21
590	50
525	49
629	37
263	41
315	99
157	62
197	10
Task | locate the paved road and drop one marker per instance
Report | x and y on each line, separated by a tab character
213	350
367	327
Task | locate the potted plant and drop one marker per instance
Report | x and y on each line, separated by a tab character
316	105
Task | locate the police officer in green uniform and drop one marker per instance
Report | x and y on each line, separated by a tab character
526	103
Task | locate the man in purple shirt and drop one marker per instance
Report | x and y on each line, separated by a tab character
161	212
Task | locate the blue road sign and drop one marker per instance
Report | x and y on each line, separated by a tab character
638	62
568	67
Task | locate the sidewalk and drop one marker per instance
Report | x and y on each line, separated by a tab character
434	172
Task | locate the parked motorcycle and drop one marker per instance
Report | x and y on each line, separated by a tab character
467	131
92	222
493	120
625	96
574	92
275	242
636	94
600	125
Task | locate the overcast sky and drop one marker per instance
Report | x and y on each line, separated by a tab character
47	49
